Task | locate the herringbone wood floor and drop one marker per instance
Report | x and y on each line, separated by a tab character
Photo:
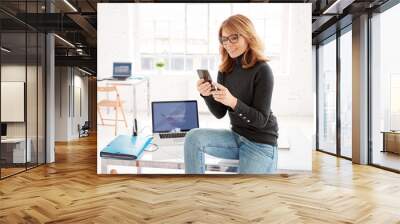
70	191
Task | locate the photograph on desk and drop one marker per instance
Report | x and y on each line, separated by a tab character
204	88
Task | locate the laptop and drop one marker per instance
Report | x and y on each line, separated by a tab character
171	120
122	70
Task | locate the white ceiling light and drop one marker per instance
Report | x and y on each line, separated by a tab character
65	41
86	72
5	50
337	7
70	5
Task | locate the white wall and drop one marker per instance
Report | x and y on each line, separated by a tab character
79	117
68	82
61	103
114	38
293	96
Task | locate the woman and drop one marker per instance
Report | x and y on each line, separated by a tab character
244	90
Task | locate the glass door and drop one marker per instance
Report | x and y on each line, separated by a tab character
13	94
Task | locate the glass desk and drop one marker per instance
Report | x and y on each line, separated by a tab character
133	83
164	160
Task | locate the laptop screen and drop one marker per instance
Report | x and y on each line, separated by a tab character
174	116
122	70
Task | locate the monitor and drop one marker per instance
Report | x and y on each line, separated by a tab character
122	70
3	129
171	116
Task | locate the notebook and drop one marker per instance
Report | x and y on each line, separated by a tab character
126	147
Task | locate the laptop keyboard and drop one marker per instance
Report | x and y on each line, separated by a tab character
173	135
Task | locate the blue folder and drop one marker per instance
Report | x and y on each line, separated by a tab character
126	147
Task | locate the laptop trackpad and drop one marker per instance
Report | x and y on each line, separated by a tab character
179	140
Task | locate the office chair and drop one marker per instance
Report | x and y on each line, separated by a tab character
116	104
84	130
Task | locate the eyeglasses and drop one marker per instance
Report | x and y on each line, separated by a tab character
234	38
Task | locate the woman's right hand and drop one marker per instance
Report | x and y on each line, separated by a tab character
203	87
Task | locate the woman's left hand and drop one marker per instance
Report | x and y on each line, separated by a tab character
223	96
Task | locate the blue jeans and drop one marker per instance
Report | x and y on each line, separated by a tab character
254	158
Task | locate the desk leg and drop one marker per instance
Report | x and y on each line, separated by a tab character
384	142
134	103
148	97
138	167
104	165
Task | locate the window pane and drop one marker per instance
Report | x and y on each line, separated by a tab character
218	13
146	36
177	63
327	96
385	85
346	94
212	64
197	28
177	30
147	63
204	62
189	64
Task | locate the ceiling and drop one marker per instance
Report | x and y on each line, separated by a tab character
76	22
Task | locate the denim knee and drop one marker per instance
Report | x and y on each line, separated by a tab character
192	136
198	135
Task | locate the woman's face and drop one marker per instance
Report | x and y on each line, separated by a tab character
233	43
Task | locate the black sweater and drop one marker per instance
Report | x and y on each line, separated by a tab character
252	117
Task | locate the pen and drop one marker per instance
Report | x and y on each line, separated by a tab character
135	130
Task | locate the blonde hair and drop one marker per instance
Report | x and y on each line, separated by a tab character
254	53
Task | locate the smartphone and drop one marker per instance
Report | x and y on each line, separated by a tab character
204	74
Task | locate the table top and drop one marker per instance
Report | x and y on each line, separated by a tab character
13	140
128	82
392	131
175	153
171	157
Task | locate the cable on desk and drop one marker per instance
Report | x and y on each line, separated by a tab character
152	145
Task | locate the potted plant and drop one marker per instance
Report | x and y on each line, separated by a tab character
160	65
